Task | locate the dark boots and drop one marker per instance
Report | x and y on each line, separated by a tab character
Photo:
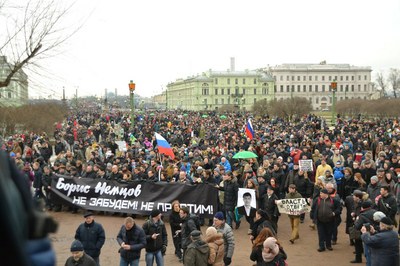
357	259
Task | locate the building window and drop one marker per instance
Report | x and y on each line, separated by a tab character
216	101
281	88
292	88
236	81
352	78
316	88
316	100
352	88
316	78
335	78
347	78
323	78
228	81
244	91
292	78
265	89
287	78
365	77
244	100
287	88
298	78
359	87
204	89
304	78
298	88
255	81
229	91
216	91
222	101
359	77
346	88
341	88
330	78
255	91
310	88
310	99
323	88
365	87
274	88
216	81
309	78
236	91
244	81
341	78
222	91
304	88
255	100
229	100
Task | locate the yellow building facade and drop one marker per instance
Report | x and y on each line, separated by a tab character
214	90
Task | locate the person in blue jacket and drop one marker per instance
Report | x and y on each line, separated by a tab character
92	236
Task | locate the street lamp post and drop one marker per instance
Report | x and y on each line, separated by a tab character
131	94
334	88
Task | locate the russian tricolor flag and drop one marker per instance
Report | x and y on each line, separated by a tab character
163	146
249	130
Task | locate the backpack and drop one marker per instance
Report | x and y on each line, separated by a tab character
196	220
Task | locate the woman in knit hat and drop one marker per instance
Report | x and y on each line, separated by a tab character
272	253
215	242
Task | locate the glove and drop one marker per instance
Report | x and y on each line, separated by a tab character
163	249
227	261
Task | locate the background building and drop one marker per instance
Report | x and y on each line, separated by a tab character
213	90
313	81
16	93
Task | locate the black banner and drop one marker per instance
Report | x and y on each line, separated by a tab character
139	197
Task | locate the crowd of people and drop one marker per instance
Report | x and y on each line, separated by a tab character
355	166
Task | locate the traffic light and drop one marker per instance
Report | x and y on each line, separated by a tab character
132	86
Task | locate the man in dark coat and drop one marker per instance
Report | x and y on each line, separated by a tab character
188	225
156	237
197	252
386	203
92	236
323	214
132	240
384	245
230	189
79	257
366	217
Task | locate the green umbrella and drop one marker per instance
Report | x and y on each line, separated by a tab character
204	116
222	116
152	114
185	114
245	155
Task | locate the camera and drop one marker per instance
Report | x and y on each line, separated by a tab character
367	226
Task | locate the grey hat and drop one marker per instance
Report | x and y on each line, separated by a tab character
375	178
216	169
195	234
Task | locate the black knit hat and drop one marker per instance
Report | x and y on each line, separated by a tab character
76	246
155	213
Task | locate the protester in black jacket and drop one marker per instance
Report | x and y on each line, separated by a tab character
132	240
92	236
175	221
156	237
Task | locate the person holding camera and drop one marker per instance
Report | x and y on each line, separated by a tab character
365	218
384	245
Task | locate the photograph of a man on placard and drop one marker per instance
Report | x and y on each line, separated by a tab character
246	205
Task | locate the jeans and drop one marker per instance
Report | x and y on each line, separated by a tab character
367	254
124	262
230	217
294	222
157	255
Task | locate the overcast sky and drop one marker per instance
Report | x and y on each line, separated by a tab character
156	42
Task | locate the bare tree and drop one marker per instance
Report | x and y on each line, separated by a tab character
32	33
394	80
381	82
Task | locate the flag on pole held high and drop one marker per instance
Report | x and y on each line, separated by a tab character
249	129
163	146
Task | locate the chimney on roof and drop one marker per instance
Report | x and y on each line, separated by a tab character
232	64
